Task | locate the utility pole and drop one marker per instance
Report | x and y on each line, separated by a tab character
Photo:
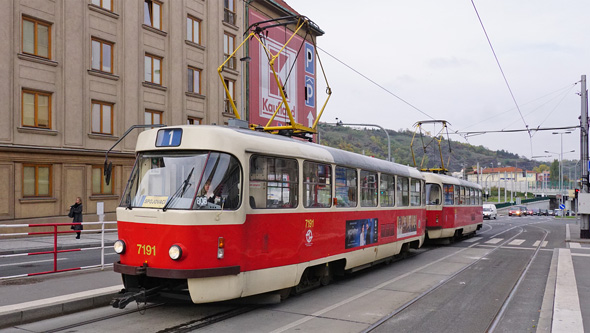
584	218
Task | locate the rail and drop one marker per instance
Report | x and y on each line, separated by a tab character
14	240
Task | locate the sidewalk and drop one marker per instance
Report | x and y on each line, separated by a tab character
46	296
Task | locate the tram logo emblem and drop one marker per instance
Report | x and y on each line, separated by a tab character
309	236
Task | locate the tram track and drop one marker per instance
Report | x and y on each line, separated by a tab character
501	310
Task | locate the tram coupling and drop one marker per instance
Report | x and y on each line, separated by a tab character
141	296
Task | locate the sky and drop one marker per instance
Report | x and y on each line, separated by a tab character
432	60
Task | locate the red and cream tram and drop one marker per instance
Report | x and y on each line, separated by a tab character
225	213
453	206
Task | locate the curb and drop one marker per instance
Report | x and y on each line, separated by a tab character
23	313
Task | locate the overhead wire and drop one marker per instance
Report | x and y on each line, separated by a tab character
500	66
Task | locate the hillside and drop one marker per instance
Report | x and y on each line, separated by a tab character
373	142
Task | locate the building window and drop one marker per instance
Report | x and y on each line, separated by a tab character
36	109
102	118
229	45
105	4
229	11
36	37
36	180
193	29
153	117
99	185
102	55
153	69
230	84
194	121
194	80
152	14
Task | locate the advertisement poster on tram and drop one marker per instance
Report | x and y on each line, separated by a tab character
361	232
407	226
296	69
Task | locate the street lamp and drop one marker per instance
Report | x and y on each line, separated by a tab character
340	123
560	160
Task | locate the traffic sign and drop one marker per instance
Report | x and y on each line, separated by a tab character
562	206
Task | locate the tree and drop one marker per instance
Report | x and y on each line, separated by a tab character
554	170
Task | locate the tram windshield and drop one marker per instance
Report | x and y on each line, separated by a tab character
202	180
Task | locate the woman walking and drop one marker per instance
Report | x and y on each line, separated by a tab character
76	213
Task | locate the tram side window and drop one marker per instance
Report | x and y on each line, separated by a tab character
464	195
415	192
317	189
387	189
403	191
433	194
346	186
479	195
457	194
449	194
472	195
368	189
273	182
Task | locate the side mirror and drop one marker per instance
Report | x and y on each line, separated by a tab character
108	170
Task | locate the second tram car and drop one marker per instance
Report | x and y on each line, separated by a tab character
226	212
453	206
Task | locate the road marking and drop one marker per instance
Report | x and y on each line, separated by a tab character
472	239
575	245
567	316
580	255
494	240
535	244
31	262
516	242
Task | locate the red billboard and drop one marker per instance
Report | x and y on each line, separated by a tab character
296	69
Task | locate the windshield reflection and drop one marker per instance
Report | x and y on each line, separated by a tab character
192	180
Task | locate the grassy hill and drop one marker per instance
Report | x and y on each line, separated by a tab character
373	142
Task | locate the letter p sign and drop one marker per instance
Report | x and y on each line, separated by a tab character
309	91
309	59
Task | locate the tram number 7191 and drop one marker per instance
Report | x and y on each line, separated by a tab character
148	250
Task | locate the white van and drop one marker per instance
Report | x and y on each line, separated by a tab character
489	211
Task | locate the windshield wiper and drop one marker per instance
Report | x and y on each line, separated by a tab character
129	193
185	185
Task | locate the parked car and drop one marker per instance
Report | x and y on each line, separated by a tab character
551	212
557	212
544	212
530	212
489	211
517	211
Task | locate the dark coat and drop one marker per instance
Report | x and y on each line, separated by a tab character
77	210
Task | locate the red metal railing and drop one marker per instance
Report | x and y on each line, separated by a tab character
55	250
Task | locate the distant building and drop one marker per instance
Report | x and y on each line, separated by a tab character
75	75
511	178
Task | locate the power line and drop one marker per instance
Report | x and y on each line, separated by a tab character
377	84
499	66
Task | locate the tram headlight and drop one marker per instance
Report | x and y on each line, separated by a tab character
175	252
119	246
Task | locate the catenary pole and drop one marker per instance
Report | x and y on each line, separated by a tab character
584	219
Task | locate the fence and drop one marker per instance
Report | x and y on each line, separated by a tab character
14	240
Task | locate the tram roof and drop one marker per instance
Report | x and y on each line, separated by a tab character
234	140
435	177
